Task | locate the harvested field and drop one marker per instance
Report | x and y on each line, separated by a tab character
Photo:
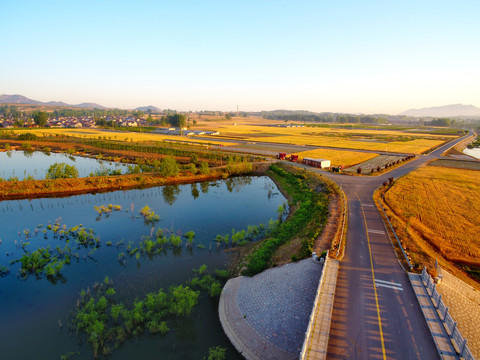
442	207
375	140
372	164
457	164
121	136
337	157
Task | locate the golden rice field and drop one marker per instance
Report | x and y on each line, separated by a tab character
251	128
376	140
123	135
443	205
337	157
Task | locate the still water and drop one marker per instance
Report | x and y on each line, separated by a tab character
31	309
475	152
35	163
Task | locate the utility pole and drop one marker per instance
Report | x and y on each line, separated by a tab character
237	110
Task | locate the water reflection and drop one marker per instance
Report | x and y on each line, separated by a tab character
170	193
38	162
194	191
30	308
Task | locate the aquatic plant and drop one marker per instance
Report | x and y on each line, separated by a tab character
4	271
204	281
190	235
69	355
107	209
106	324
50	261
217	353
149	215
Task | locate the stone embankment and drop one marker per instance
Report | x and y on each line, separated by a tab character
266	316
463	302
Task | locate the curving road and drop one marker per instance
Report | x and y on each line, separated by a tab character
376	314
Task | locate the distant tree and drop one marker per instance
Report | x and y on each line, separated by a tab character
27	136
41	118
441	122
228	116
169	166
176	120
204	169
62	171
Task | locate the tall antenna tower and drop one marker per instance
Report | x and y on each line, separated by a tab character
237	110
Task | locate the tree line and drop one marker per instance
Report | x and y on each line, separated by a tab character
323	117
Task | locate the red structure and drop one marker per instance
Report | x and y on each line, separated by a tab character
293	158
281	156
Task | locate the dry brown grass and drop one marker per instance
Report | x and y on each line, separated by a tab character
442	206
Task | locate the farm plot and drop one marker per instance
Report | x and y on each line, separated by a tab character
376	164
400	142
337	157
457	164
442	206
120	136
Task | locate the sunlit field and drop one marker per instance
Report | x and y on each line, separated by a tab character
443	205
120	136
337	157
362	139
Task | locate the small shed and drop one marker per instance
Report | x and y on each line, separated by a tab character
318	163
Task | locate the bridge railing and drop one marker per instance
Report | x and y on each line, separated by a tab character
311	322
450	325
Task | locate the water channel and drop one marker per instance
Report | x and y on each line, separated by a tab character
32	309
36	163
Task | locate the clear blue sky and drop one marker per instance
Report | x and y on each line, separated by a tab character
372	56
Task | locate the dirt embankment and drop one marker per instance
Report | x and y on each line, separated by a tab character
458	149
10	190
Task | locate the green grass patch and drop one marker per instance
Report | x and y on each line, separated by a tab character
310	198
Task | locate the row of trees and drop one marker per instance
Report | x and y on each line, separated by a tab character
303	116
174	120
10	112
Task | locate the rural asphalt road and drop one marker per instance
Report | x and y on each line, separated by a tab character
376	314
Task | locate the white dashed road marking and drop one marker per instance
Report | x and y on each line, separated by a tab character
388	284
376	231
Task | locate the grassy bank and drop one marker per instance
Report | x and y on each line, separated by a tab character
308	201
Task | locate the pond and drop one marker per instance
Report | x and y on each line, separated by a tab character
36	163
35	310
475	152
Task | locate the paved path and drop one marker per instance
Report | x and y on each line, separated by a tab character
439	334
266	316
375	304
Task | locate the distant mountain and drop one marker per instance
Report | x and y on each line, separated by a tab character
455	110
17	99
152	109
20	99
